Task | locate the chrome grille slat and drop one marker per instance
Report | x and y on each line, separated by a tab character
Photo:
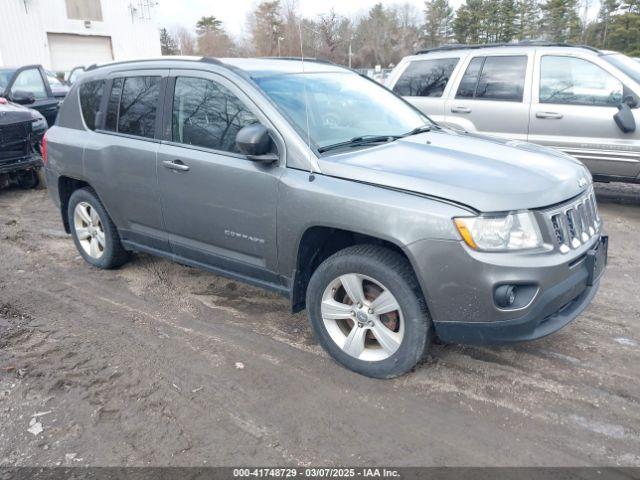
574	223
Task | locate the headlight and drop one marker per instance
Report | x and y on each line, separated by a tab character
515	231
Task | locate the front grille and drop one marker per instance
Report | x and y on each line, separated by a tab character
574	223
15	142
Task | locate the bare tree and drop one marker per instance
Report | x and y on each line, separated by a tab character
186	41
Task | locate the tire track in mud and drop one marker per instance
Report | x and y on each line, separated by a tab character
570	399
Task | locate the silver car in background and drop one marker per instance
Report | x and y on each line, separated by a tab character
580	100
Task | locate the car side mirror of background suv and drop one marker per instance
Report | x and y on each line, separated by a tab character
22	98
255	142
624	117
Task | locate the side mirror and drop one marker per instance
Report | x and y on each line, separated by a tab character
23	98
631	101
624	118
254	142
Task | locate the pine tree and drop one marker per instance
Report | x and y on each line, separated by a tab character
507	16
438	16
168	45
561	22
527	19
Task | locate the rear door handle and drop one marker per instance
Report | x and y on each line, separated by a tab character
549	115
460	110
175	165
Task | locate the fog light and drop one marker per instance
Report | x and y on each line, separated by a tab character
505	296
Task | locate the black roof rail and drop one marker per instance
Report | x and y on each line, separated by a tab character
524	43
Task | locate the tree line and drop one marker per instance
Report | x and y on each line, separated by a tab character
385	34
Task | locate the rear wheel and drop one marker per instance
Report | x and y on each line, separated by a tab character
94	234
368	312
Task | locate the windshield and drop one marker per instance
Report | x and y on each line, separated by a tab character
5	76
341	106
628	65
53	80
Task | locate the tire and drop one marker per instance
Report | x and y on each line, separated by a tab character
98	241
42	182
407	329
27	180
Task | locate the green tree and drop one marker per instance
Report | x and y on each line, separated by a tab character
266	26
438	22
527	19
624	34
507	21
469	25
168	45
208	25
561	22
213	40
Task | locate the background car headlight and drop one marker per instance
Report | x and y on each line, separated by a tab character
515	231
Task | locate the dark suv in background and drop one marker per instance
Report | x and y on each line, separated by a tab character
29	86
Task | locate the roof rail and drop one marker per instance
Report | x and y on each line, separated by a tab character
309	59
524	43
95	66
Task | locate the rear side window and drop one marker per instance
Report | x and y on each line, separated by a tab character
425	78
498	78
90	98
467	88
133	105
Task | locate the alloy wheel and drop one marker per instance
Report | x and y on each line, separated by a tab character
362	317
89	230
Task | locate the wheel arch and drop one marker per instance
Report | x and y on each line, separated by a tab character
66	187
318	243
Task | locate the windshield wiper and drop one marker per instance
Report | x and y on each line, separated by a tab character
420	129
361	140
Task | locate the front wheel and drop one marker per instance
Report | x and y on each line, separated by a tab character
367	310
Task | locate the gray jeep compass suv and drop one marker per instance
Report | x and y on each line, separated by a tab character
310	180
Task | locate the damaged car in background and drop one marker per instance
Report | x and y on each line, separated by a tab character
21	133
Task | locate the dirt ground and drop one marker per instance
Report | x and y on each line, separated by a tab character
161	364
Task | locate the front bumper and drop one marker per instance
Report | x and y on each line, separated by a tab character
537	323
459	287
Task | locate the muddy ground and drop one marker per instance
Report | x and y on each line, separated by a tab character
160	364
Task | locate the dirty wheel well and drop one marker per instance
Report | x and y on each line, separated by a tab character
318	244
66	186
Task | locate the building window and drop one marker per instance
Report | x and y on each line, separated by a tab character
84	10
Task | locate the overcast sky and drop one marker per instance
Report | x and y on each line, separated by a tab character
172	13
234	12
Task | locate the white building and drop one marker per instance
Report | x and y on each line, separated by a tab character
62	34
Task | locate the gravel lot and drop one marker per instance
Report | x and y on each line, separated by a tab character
161	364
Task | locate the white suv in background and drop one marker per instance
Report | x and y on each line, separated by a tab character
580	100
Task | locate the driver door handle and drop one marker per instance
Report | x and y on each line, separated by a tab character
176	165
460	110
549	115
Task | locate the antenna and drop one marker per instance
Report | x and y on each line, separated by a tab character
306	104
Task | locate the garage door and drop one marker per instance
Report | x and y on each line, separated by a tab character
68	51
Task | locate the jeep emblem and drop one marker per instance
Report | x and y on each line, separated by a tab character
582	182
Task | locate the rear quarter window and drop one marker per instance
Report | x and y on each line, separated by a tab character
425	78
90	98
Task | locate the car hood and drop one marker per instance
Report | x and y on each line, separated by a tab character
485	173
12	113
